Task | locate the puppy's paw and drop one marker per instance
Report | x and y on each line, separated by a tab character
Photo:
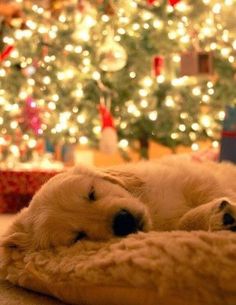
223	216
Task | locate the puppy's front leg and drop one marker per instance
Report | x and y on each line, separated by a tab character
216	215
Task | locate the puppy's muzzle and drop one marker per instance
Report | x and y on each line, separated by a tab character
125	223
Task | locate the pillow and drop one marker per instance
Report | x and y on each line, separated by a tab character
167	268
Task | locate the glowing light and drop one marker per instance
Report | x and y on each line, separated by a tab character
221	115
81	118
213	46
83	140
31	24
105	18
121	31
210	84
62	18
2	141
225	52
123	125
158	24
23	95
205	120
97	130
147	81
153	115
172	35
96	75
196	91
182	127
144	103
205	98
160	79
2	73
14	124
136	26
69	47
169	102
55	97
2	100
132	74
131	108
51	105
211	91
195	147
217	8
78	49
143	92
195	126
176	58
32	143
47	80
174	136
123	143
15	150
215	144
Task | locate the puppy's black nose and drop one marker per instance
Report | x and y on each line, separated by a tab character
124	223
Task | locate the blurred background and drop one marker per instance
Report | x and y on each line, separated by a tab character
104	82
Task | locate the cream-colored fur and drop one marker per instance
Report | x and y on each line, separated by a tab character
168	194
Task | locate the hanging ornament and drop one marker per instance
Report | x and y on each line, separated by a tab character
151	2
196	62
157	65
6	52
173	2
112	56
31	116
108	141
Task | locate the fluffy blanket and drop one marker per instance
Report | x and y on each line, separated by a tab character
176	268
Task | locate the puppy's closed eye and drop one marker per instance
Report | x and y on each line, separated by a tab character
92	195
81	235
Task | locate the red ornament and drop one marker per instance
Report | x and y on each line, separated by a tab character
151	2
173	2
107	119
6	52
158	64
108	141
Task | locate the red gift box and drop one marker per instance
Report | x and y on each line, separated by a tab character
18	187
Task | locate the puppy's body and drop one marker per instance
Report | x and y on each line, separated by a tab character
174	186
168	194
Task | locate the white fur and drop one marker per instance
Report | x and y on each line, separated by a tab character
168	194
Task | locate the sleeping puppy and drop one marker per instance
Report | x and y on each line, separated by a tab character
98	204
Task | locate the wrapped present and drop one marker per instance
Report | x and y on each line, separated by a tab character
228	141
18	187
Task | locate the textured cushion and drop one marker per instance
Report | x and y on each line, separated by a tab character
176	268
12	295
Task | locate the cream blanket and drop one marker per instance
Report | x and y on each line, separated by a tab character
175	268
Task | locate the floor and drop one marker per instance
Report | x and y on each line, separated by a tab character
5	221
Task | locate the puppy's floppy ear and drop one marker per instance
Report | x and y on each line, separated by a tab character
127	180
16	236
14	240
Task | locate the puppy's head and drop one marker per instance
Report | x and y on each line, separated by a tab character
82	203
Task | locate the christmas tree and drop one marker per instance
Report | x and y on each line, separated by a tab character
159	71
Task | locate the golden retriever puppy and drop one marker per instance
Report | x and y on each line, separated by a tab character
98	204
